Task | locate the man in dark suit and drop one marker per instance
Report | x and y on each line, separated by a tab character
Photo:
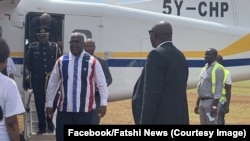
90	48
160	94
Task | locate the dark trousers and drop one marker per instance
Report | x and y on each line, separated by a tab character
221	113
39	97
70	118
96	118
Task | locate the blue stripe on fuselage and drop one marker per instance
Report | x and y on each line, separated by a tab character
140	62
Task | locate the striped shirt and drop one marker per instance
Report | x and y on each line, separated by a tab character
76	77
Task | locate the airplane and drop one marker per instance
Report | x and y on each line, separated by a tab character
230	12
121	34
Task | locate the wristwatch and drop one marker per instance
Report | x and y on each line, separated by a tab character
214	107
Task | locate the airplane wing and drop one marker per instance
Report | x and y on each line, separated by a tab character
9	3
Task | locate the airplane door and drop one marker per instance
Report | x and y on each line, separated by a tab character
89	25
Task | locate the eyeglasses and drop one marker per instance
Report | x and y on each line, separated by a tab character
74	41
151	32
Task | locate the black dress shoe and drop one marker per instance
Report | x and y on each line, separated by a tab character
41	131
50	124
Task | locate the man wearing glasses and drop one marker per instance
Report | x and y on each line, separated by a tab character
159	95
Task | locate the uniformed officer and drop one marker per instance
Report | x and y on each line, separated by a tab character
46	19
40	60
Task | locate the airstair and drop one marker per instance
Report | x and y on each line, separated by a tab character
31	121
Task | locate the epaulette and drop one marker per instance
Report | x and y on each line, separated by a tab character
58	50
53	44
34	44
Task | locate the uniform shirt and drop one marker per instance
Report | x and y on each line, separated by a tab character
41	59
77	77
204	87
11	103
228	81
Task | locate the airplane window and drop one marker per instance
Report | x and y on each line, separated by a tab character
0	31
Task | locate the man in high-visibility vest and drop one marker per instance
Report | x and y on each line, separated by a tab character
226	94
209	88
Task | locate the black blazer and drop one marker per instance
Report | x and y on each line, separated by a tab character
105	69
164	99
137	98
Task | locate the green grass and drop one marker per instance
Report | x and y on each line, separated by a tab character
119	112
239	107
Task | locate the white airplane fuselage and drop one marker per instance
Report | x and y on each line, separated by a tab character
121	36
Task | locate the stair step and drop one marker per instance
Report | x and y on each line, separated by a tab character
31	123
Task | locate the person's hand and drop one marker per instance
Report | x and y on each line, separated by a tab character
102	111
27	78
49	112
226	110
196	109
213	112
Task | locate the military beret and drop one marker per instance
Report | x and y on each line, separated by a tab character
42	30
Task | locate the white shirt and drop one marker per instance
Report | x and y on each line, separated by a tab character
11	103
163	43
11	68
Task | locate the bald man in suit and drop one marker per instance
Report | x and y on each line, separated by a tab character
90	48
159	95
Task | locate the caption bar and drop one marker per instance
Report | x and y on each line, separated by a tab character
211	132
